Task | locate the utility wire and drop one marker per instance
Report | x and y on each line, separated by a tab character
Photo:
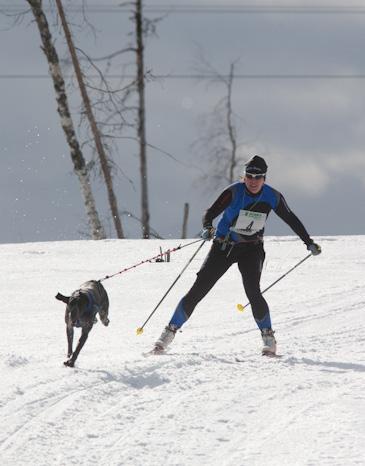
201	76
208	9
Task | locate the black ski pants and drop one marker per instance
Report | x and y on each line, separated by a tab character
249	258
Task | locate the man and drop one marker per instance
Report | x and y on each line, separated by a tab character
239	239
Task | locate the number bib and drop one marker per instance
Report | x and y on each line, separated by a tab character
249	223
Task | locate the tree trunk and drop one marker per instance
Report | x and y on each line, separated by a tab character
231	131
66	121
142	119
185	221
94	128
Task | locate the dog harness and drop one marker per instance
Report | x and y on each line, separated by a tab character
92	308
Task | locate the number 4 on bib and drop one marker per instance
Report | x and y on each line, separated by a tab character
249	223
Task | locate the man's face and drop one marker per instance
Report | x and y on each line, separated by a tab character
254	183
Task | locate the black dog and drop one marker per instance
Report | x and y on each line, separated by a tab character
82	307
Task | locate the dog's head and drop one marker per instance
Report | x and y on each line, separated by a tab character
79	308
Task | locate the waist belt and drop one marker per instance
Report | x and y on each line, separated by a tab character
224	242
228	242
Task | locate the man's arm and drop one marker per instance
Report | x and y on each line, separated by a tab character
284	212
217	207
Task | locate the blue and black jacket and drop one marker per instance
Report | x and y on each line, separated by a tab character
236	198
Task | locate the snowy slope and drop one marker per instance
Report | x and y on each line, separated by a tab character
196	405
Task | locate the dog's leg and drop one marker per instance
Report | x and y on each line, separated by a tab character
71	362
103	313
70	338
69	332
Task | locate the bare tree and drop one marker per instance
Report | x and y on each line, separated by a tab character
141	123
218	140
121	111
154	233
230	126
93	125
66	120
125	108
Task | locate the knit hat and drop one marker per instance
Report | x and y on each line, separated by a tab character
256	166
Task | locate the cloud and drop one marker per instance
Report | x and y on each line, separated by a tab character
301	172
311	174
351	165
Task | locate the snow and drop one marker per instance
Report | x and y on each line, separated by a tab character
195	405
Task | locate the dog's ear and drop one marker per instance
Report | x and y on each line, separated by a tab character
62	298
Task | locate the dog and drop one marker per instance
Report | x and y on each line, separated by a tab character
82	307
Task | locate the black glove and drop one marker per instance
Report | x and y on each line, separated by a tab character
207	233
314	248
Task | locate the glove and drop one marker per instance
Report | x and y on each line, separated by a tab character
314	248
207	233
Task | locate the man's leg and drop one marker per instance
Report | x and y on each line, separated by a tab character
250	266
214	266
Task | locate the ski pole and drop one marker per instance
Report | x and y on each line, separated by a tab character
241	308
139	330
149	260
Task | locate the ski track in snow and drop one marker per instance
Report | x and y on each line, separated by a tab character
195	405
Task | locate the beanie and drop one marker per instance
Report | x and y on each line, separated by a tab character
256	165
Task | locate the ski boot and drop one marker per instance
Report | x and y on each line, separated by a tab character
165	339
269	342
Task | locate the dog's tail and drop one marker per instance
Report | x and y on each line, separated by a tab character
62	298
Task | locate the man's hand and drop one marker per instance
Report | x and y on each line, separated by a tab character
207	233
314	248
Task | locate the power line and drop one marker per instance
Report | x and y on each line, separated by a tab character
201	76
208	9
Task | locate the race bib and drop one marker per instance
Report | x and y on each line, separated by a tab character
249	223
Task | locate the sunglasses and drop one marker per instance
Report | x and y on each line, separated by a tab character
252	176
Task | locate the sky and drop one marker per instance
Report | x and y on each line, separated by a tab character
309	130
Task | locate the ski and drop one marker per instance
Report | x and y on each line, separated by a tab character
156	351
239	360
268	354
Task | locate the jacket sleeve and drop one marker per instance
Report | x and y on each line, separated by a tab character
284	212
217	207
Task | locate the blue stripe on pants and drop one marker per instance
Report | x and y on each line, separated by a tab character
179	317
265	322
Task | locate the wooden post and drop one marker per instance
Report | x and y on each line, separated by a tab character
185	220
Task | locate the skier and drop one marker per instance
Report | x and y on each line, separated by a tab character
245	206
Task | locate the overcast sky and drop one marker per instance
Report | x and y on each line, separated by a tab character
311	131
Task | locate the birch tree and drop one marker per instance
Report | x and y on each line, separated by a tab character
130	101
80	168
121	108
93	125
